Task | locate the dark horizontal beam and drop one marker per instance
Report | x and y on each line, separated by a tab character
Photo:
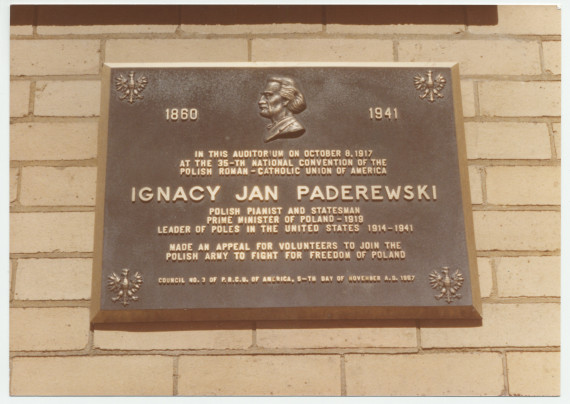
249	14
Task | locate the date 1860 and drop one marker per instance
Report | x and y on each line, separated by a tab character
181	114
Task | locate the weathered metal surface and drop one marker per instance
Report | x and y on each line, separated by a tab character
261	191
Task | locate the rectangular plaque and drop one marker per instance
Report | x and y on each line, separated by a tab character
290	191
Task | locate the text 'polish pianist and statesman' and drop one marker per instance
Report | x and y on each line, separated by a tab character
280	99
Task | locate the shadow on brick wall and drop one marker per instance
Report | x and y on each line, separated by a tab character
285	324
267	14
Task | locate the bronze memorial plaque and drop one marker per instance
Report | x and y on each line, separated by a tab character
290	191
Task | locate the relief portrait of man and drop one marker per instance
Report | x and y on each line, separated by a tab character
280	101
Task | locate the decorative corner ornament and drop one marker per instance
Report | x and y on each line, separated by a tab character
129	87
124	287
430	87
447	285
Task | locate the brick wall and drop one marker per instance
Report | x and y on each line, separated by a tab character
510	64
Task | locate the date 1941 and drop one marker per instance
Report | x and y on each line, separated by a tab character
378	113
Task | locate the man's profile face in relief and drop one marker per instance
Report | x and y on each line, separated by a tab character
271	104
279	101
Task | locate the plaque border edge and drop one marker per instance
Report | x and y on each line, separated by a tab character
103	131
465	191
457	313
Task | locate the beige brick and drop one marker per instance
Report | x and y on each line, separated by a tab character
533	373
67	98
528	276
141	375
292	334
385	19
53	141
507	140
49	329
51	232
441	374
556	131
19	98
50	279
173	336
504	325
475	184
513	98
346	50
523	20
253	19
268	375
106	29
11	277
475	56
520	230
251	29
54	56
58	186
468	98
396	29
552	56
485	276
101	19
21	19
14	177
523	185
176	50
21	30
